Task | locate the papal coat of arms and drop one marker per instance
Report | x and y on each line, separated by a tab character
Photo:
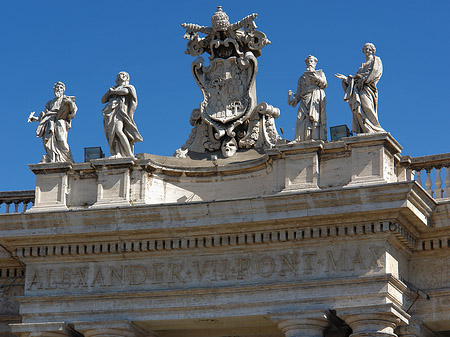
229	118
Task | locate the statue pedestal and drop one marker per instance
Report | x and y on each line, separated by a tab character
373	158
298	167
113	182
51	186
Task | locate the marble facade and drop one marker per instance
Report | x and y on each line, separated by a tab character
334	239
241	233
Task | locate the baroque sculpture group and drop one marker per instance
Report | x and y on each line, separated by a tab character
229	118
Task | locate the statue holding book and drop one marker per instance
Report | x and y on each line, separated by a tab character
311	114
54	124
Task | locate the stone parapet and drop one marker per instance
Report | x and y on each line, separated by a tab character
148	179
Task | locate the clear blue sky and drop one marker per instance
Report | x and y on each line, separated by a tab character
86	43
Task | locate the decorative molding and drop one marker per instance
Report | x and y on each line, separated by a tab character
220	240
433	244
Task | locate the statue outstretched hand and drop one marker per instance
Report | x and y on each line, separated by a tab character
342	77
32	118
292	100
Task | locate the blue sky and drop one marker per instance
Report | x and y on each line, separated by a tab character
86	43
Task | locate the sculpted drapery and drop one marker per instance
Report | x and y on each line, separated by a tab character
310	95
54	124
361	93
120	129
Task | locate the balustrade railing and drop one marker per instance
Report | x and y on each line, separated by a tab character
16	199
434	167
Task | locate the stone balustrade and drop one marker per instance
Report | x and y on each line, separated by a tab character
16	198
427	171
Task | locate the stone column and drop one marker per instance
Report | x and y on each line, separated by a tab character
374	321
57	329
305	324
111	329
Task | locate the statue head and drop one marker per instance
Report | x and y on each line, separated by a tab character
369	48
220	21
311	62
59	88
123	78
229	147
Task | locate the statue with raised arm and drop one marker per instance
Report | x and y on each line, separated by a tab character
310	95
120	130
54	124
361	92
229	118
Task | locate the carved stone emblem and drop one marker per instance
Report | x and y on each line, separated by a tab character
229	113
226	86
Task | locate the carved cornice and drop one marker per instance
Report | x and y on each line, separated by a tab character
212	241
434	244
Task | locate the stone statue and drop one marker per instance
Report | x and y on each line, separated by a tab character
361	92
311	113
54	124
228	118
120	130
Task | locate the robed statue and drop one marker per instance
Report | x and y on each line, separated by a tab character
54	124
311	114
361	92
120	129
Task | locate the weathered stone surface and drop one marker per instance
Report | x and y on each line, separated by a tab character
310	238
325	227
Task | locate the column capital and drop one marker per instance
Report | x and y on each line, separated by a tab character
374	321
122	328
48	329
301	324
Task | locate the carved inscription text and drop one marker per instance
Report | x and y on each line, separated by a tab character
205	270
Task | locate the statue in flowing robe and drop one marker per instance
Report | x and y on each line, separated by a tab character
54	124
310	95
361	92
120	129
